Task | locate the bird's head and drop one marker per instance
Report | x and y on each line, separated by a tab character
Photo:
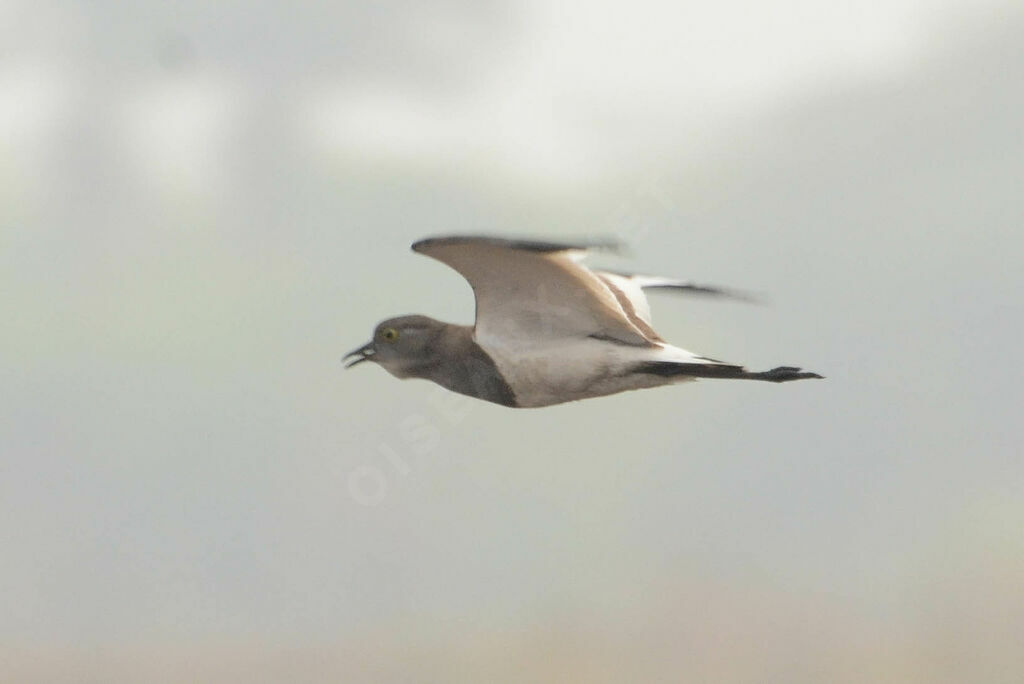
406	346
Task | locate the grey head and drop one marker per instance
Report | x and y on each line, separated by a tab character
406	346
420	347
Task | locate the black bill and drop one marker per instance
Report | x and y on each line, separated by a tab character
364	353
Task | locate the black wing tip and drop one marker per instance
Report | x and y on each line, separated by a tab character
692	288
670	369
710	291
526	245
723	371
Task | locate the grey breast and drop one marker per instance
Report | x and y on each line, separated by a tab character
464	367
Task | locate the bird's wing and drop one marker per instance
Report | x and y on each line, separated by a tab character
633	286
530	292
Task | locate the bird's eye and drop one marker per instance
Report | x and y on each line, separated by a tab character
389	334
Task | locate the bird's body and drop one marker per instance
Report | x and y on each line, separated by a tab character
559	372
548	330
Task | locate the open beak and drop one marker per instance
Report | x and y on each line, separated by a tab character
364	353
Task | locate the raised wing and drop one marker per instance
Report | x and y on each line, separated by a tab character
632	287
532	293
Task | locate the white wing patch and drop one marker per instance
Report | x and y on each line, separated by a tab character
631	287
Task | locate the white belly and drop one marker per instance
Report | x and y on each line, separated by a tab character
555	373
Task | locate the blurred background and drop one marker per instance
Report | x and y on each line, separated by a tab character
203	205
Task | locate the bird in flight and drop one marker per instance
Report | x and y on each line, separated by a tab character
548	329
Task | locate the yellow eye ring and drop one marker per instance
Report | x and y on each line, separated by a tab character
389	334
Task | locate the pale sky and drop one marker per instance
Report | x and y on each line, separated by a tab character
202	208
564	92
